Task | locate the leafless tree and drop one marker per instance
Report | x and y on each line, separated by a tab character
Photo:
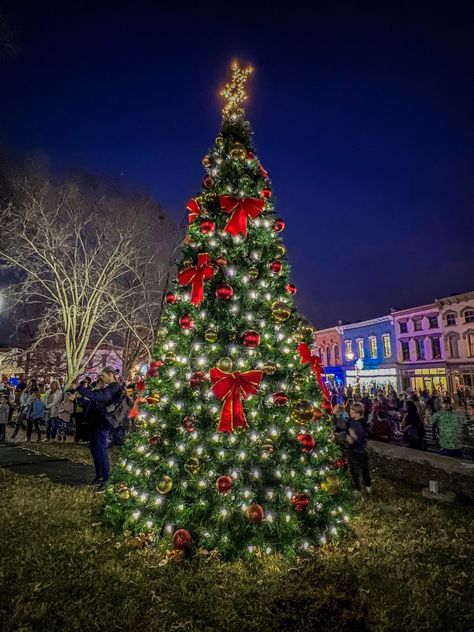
90	265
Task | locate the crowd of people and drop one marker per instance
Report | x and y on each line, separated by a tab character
97	413
92	412
419	420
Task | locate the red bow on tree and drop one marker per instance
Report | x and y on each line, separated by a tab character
196	275
193	209
232	388
240	210
136	407
263	171
316	366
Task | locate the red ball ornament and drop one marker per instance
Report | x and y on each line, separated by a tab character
290	288
197	379
140	386
189	423
207	226
276	266
220	261
171	298
255	513
266	193
250	155
182	539
279	225
224	484
251	339
224	292
307	441
153	441
186	322
300	502
341	463
280	398
153	368
208	182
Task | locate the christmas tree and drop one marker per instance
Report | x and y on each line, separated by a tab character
233	449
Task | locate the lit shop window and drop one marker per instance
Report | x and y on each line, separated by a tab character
387	346
373	347
360	348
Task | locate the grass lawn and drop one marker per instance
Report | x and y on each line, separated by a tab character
407	566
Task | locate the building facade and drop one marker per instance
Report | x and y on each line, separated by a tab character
369	354
327	345
420	348
457	323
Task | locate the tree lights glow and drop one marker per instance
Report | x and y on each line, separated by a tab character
233	394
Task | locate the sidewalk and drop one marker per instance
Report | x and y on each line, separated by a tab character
24	460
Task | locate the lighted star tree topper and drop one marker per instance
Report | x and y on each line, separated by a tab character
234	446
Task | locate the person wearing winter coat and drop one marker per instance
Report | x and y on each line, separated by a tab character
52	401
26	399
35	415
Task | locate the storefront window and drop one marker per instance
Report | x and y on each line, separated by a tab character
360	348
387	347
336	354
403	328
328	355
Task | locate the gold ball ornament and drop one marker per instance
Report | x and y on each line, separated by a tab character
298	380
164	485
192	465
302	411
211	335
206	161
220	141
253	273
225	364
269	368
238	153
280	250
331	485
305	328
153	398
123	492
267	446
187	263
281	311
170	356
209	196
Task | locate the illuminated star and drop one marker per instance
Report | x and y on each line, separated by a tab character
235	91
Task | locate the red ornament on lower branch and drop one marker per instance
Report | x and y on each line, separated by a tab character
279	225
300	502
207	226
189	423
182	539
290	288
153	368
307	441
266	193
197	379
224	484
255	513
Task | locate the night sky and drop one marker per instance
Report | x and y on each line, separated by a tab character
362	115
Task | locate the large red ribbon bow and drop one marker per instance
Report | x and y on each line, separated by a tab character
240	210
232	388
196	275
193	209
316	366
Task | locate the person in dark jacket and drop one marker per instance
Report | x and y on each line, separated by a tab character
413	428
99	420
356	439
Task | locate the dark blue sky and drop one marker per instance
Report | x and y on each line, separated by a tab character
362	115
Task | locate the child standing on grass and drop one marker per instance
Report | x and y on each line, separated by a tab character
4	413
356	439
66	409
